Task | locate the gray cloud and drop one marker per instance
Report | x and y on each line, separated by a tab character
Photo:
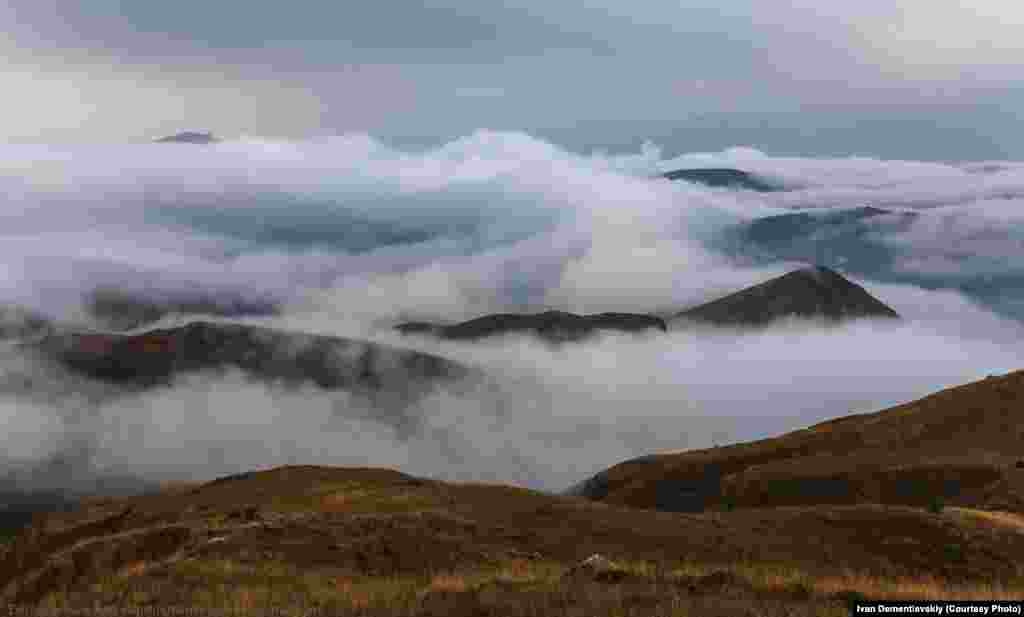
801	78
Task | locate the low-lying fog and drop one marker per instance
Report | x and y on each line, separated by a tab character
346	236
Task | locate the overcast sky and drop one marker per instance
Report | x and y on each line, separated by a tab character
916	79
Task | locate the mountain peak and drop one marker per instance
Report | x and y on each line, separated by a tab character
813	292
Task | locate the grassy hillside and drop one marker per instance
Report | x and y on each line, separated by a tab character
962	446
922	501
368	541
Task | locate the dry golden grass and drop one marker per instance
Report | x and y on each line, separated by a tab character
353	595
929	588
355	497
761	589
996	517
451	583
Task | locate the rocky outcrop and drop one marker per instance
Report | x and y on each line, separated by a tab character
724	178
553	326
810	293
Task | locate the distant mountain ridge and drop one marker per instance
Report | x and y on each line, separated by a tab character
555	326
815	292
724	178
157	356
809	293
189	137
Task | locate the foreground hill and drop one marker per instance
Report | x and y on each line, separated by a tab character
961	446
810	293
375	541
553	326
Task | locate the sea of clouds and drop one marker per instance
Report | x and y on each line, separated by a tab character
347	235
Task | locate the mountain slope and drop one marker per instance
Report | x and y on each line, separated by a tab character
158	356
375	541
816	292
960	446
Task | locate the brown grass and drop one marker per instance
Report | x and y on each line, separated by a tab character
663	589
450	583
1008	520
929	588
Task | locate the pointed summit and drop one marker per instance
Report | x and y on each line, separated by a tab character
815	292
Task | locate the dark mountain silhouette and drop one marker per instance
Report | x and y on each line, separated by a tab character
817	292
119	310
724	178
960	446
189	137
157	356
554	326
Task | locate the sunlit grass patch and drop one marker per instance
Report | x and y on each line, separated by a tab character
772	576
995	517
362	592
449	583
529	572
923	588
516	586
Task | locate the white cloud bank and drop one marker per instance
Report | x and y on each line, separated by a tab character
514	224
